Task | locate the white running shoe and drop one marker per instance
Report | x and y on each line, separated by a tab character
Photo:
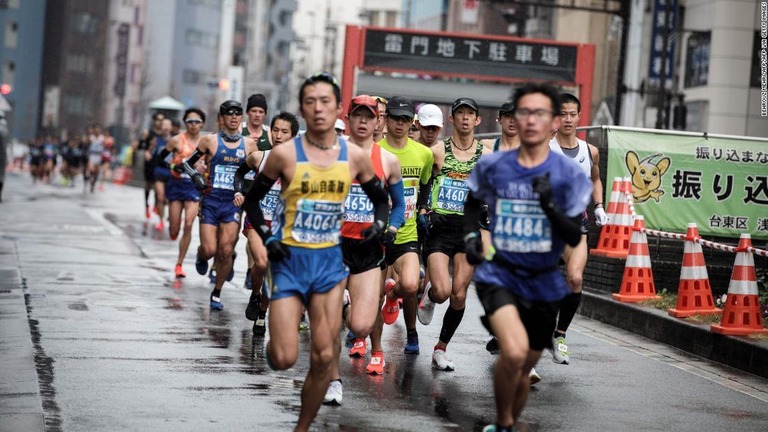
427	307
534	376
440	361
333	394
560	352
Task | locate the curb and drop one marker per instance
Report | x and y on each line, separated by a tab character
21	406
738	352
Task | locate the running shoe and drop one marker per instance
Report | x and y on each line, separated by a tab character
534	376
212	275
359	348
232	270
160	226
146	212
493	428
560	352
412	344
179	271
493	345
440	361
427	307
201	265
376	365
391	309
304	323
216	303
252	310
333	394
260	325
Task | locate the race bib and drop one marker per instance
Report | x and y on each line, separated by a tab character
317	221
224	177
451	195
521	226
269	203
411	195
358	208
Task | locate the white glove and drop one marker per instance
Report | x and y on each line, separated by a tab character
600	217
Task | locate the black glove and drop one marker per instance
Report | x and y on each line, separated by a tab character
485	218
473	246
422	227
277	250
374	231
435	219
199	181
388	238
543	187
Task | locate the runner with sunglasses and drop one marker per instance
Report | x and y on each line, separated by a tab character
180	190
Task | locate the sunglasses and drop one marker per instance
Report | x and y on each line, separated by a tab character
234	112
193	121
325	77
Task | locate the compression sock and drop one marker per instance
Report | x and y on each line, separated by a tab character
568	308
451	321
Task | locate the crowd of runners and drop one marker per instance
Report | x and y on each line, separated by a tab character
371	212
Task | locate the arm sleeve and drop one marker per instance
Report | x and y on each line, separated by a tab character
260	188
424	191
567	228
189	164
397	214
160	158
473	208
375	191
242	170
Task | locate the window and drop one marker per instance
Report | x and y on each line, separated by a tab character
83	22
11	34
9	72
80	63
200	38
76	105
13	4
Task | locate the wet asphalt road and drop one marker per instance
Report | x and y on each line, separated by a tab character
122	346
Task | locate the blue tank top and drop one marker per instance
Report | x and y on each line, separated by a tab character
222	167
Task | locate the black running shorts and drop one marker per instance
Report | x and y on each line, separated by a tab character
361	256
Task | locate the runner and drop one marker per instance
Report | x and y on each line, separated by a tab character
380	131
160	173
586	155
509	140
316	171
285	126
366	260
535	200
402	256
256	109
454	161
430	123
219	216
149	168
181	192
95	153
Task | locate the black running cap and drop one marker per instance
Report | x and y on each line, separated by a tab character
462	102
231	107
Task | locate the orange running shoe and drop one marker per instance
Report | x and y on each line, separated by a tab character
376	365
359	348
146	212
179	272
160	226
391	309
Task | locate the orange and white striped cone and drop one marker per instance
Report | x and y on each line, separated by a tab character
694	293
616	234
742	307
637	284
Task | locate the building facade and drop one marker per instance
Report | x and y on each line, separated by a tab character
21	57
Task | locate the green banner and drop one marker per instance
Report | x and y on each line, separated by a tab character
720	184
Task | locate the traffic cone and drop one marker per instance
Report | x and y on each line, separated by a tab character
616	234
742	306
637	284
694	294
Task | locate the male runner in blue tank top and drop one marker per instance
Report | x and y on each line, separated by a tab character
219	216
535	199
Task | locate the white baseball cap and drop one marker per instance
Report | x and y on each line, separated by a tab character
339	125
430	115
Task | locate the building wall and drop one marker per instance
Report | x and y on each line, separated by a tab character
125	110
73	60
160	41
21	54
